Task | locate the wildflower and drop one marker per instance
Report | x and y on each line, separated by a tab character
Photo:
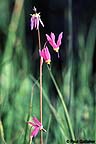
37	127
45	54
35	20
51	40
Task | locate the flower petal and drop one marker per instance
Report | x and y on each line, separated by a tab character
59	39
52	43
34	132
32	23
48	37
53	36
37	23
36	121
41	22
48	57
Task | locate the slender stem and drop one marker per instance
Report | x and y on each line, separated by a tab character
39	41
41	63
63	103
41	134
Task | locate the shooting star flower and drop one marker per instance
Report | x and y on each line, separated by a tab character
51	40
37	127
45	54
35	20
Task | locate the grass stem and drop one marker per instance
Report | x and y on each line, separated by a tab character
63	103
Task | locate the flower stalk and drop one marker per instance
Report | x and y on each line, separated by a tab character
41	64
41	134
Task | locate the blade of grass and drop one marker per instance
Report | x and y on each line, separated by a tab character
63	103
7	68
2	133
48	129
30	111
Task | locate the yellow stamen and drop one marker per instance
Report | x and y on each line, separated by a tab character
56	49
48	61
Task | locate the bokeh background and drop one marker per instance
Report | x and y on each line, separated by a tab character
74	71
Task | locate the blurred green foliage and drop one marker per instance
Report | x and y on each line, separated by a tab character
17	85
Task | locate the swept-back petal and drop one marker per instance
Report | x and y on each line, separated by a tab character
52	43
52	36
48	37
41	22
45	54
48	56
36	121
59	39
32	23
37	24
34	132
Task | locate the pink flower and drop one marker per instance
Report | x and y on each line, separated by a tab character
35	20
37	127
45	54
51	40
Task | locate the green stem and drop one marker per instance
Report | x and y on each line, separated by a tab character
63	103
30	111
29	115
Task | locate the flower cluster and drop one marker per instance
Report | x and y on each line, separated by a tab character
44	53
51	40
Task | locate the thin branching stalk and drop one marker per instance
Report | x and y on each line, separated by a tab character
63	103
39	41
41	63
41	134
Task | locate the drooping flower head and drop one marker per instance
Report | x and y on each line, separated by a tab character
37	127
51	40
35	20
45	54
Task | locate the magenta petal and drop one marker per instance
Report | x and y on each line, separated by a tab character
51	40
32	23
59	39
36	121
35	22
48	37
52	43
48	57
35	132
53	36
